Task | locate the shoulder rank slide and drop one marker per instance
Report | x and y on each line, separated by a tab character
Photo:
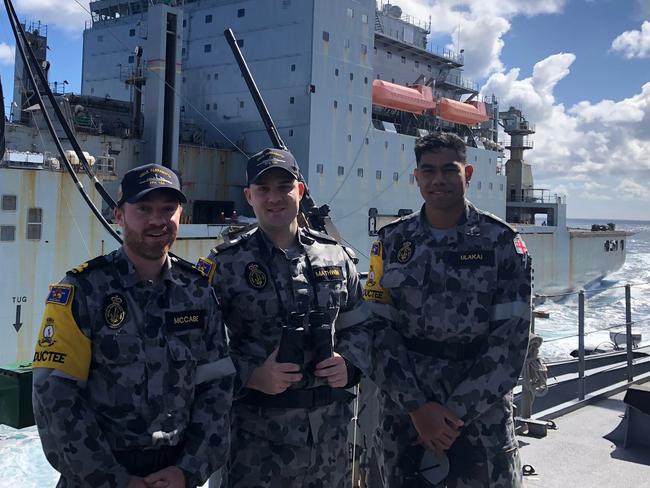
88	265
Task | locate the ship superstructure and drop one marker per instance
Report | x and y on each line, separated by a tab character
564	259
350	85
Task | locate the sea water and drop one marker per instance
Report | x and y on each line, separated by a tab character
604	300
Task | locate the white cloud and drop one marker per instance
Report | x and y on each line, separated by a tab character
482	25
589	147
634	43
629	189
66	15
6	53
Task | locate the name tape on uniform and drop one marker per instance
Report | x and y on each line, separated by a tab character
185	320
328	273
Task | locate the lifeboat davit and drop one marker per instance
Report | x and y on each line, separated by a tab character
417	99
462	113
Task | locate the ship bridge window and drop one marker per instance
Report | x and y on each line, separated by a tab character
365	110
336	104
326	36
241	12
9	203
360	172
389	54
131	32
340	171
208	19
241	104
349	107
240	42
417	64
290	132
34	223
364	49
336	71
403	59
411	179
478	185
319	168
349	137
346	43
364	19
131	59
351	76
378	174
350	12
207	48
293	67
490	185
429	68
292	100
7	233
396	176
365	80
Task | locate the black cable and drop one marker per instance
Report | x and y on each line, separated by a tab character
21	41
57	111
19	33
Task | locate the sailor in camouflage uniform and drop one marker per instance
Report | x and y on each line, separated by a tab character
451	285
290	421
132	379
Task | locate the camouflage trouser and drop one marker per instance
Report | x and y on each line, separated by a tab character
473	461
257	462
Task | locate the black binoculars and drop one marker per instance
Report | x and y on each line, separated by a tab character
295	338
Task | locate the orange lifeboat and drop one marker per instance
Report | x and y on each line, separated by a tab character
462	113
417	99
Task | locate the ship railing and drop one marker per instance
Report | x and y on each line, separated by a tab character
521	142
446	53
383	11
105	166
619	342
537	195
459	81
517	124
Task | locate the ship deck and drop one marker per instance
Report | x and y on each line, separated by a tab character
578	455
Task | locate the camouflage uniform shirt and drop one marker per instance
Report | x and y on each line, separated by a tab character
470	290
258	285
124	364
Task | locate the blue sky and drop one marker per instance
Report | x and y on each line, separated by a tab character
579	69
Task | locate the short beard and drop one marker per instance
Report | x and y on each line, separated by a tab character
133	241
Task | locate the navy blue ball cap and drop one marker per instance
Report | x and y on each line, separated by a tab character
139	181
268	159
